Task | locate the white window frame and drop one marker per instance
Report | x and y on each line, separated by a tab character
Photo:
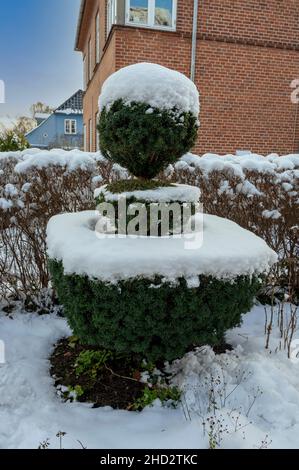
68	126
98	40
111	14
151	16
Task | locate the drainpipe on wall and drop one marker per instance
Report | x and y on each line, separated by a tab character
194	40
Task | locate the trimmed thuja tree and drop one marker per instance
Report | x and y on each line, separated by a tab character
144	139
150	295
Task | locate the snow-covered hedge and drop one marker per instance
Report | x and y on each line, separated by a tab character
34	186
259	193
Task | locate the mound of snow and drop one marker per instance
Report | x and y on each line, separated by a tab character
175	193
238	164
227	251
157	86
285	168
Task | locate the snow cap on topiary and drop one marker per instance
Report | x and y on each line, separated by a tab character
151	84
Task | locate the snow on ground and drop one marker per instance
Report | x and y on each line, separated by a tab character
227	250
31	411
157	86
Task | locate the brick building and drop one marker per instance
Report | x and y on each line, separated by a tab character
242	54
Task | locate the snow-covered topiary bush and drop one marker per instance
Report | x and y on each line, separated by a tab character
149	118
150	295
159	292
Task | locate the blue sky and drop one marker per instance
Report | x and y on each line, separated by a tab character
37	58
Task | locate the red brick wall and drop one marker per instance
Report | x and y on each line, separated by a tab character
142	45
245	98
265	22
247	56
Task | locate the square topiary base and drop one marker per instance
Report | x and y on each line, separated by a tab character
160	321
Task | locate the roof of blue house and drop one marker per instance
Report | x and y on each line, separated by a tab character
55	131
75	102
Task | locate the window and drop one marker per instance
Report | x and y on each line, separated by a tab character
73	127
90	136
139	11
98	52
152	13
111	14
89	60
164	13
70	126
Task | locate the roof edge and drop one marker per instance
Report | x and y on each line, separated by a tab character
40	125
69	99
79	24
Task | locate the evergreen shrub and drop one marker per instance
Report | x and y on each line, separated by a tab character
155	319
143	139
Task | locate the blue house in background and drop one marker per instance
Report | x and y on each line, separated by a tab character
61	129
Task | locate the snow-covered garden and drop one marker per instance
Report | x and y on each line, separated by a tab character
85	305
256	391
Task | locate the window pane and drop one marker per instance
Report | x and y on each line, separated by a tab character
163	12
67	126
73	127
139	11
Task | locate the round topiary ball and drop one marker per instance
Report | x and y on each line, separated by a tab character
148	118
